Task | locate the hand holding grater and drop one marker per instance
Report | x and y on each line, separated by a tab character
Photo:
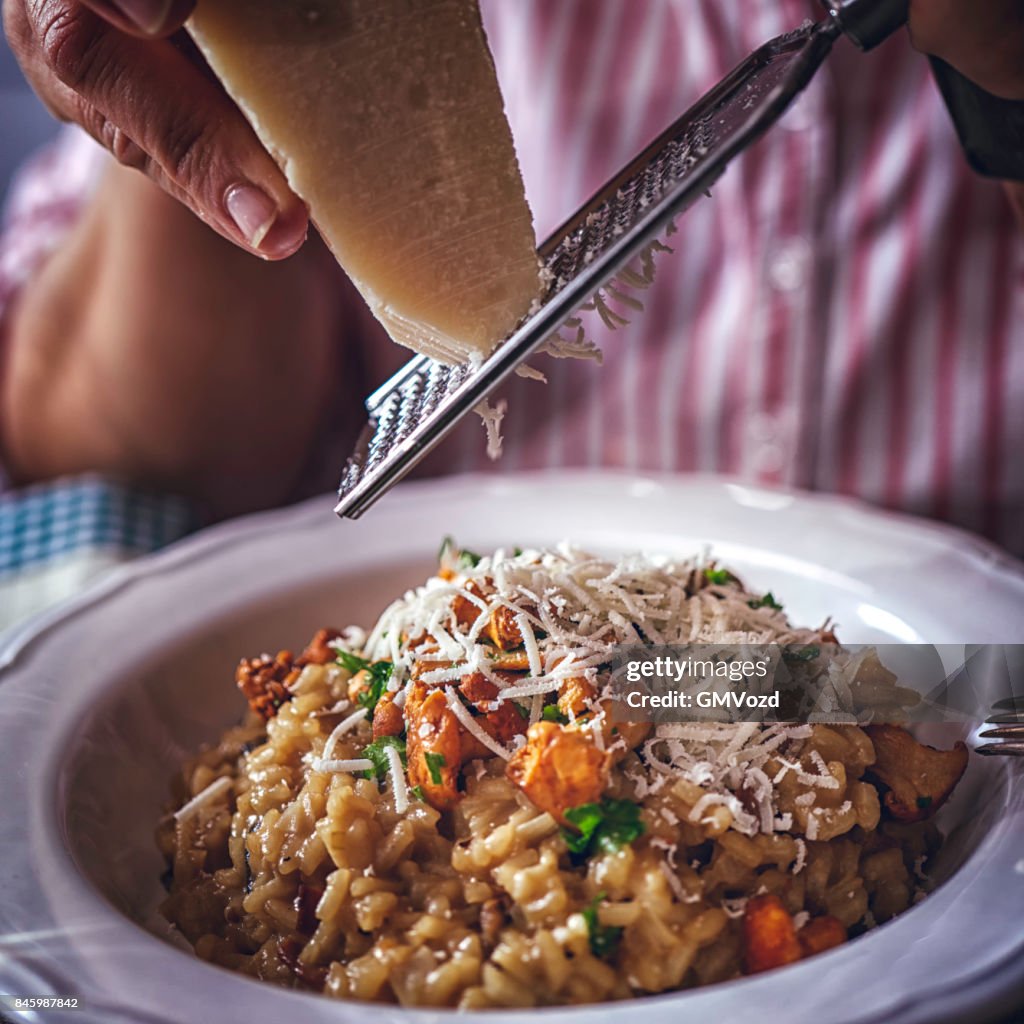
421	403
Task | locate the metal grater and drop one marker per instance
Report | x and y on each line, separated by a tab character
421	403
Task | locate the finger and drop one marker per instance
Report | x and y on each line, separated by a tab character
149	18
156	110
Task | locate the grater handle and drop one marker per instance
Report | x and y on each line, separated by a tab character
869	22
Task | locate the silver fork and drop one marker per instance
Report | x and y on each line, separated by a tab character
1008	719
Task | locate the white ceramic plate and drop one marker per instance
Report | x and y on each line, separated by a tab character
100	701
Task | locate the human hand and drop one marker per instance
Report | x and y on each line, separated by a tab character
982	39
125	72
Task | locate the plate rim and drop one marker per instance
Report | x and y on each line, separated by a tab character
980	552
311	513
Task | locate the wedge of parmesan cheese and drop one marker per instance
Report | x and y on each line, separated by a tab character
387	119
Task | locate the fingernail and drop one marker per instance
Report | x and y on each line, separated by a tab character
252	210
149	15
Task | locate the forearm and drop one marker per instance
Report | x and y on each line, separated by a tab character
151	348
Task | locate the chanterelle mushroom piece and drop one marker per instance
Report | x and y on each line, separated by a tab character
559	768
919	778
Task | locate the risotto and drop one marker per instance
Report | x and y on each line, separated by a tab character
445	812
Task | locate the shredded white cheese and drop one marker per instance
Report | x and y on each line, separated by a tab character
397	775
203	797
812	825
574	611
536	708
470	725
354	764
530	643
345	726
735	908
670	849
492	415
801	857
675	885
335	709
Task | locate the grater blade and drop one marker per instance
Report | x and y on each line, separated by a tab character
421	403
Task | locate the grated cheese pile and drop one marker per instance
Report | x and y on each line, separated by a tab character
572	610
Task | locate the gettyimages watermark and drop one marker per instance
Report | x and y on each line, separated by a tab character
813	682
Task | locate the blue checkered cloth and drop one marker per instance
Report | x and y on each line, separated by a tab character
44	522
56	537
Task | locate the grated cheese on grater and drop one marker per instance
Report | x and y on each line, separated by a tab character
492	415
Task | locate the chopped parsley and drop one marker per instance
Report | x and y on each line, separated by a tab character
523	712
380	676
435	762
551	713
604	939
464	558
924	802
602	828
767	601
719	576
417	791
808	653
377	753
351	662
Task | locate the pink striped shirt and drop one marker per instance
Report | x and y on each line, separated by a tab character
844	314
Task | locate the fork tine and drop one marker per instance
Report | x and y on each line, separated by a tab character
1009	704
1008	732
1006	718
1008	749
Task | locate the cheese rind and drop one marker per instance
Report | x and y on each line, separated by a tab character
387	119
